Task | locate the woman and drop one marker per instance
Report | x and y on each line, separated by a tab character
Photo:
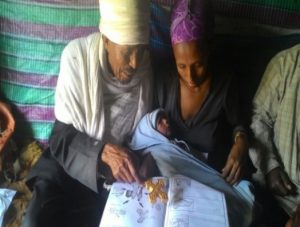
153	138
199	96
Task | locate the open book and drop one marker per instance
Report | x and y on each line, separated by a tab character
189	203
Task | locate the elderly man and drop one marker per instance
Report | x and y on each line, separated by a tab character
276	128
103	89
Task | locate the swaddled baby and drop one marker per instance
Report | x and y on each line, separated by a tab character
152	139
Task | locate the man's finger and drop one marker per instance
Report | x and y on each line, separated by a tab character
123	171
127	177
133	171
127	174
118	177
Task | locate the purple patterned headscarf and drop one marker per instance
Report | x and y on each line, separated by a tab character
191	20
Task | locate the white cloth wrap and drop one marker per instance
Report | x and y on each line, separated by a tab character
125	22
79	93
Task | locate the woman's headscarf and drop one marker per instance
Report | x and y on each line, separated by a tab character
191	20
125	22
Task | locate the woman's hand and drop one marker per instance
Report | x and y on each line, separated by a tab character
7	122
235	164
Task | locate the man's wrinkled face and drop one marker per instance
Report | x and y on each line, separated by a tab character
123	59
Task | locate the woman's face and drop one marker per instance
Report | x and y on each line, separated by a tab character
191	63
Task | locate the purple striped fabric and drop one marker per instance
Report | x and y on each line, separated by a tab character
33	120
43	143
46	32
34	80
36	113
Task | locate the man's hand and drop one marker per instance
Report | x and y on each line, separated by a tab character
7	124
235	164
122	162
279	182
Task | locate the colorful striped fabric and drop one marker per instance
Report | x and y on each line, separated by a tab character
33	34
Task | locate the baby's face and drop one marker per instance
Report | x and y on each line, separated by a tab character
163	126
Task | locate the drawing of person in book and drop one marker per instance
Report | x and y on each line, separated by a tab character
153	139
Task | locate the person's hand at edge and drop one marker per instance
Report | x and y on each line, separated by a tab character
294	221
122	162
279	182
7	124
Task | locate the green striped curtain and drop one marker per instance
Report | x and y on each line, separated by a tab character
33	34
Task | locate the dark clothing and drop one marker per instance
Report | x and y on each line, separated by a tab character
70	152
63	190
211	130
60	206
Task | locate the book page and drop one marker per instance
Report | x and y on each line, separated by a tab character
128	206
194	204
